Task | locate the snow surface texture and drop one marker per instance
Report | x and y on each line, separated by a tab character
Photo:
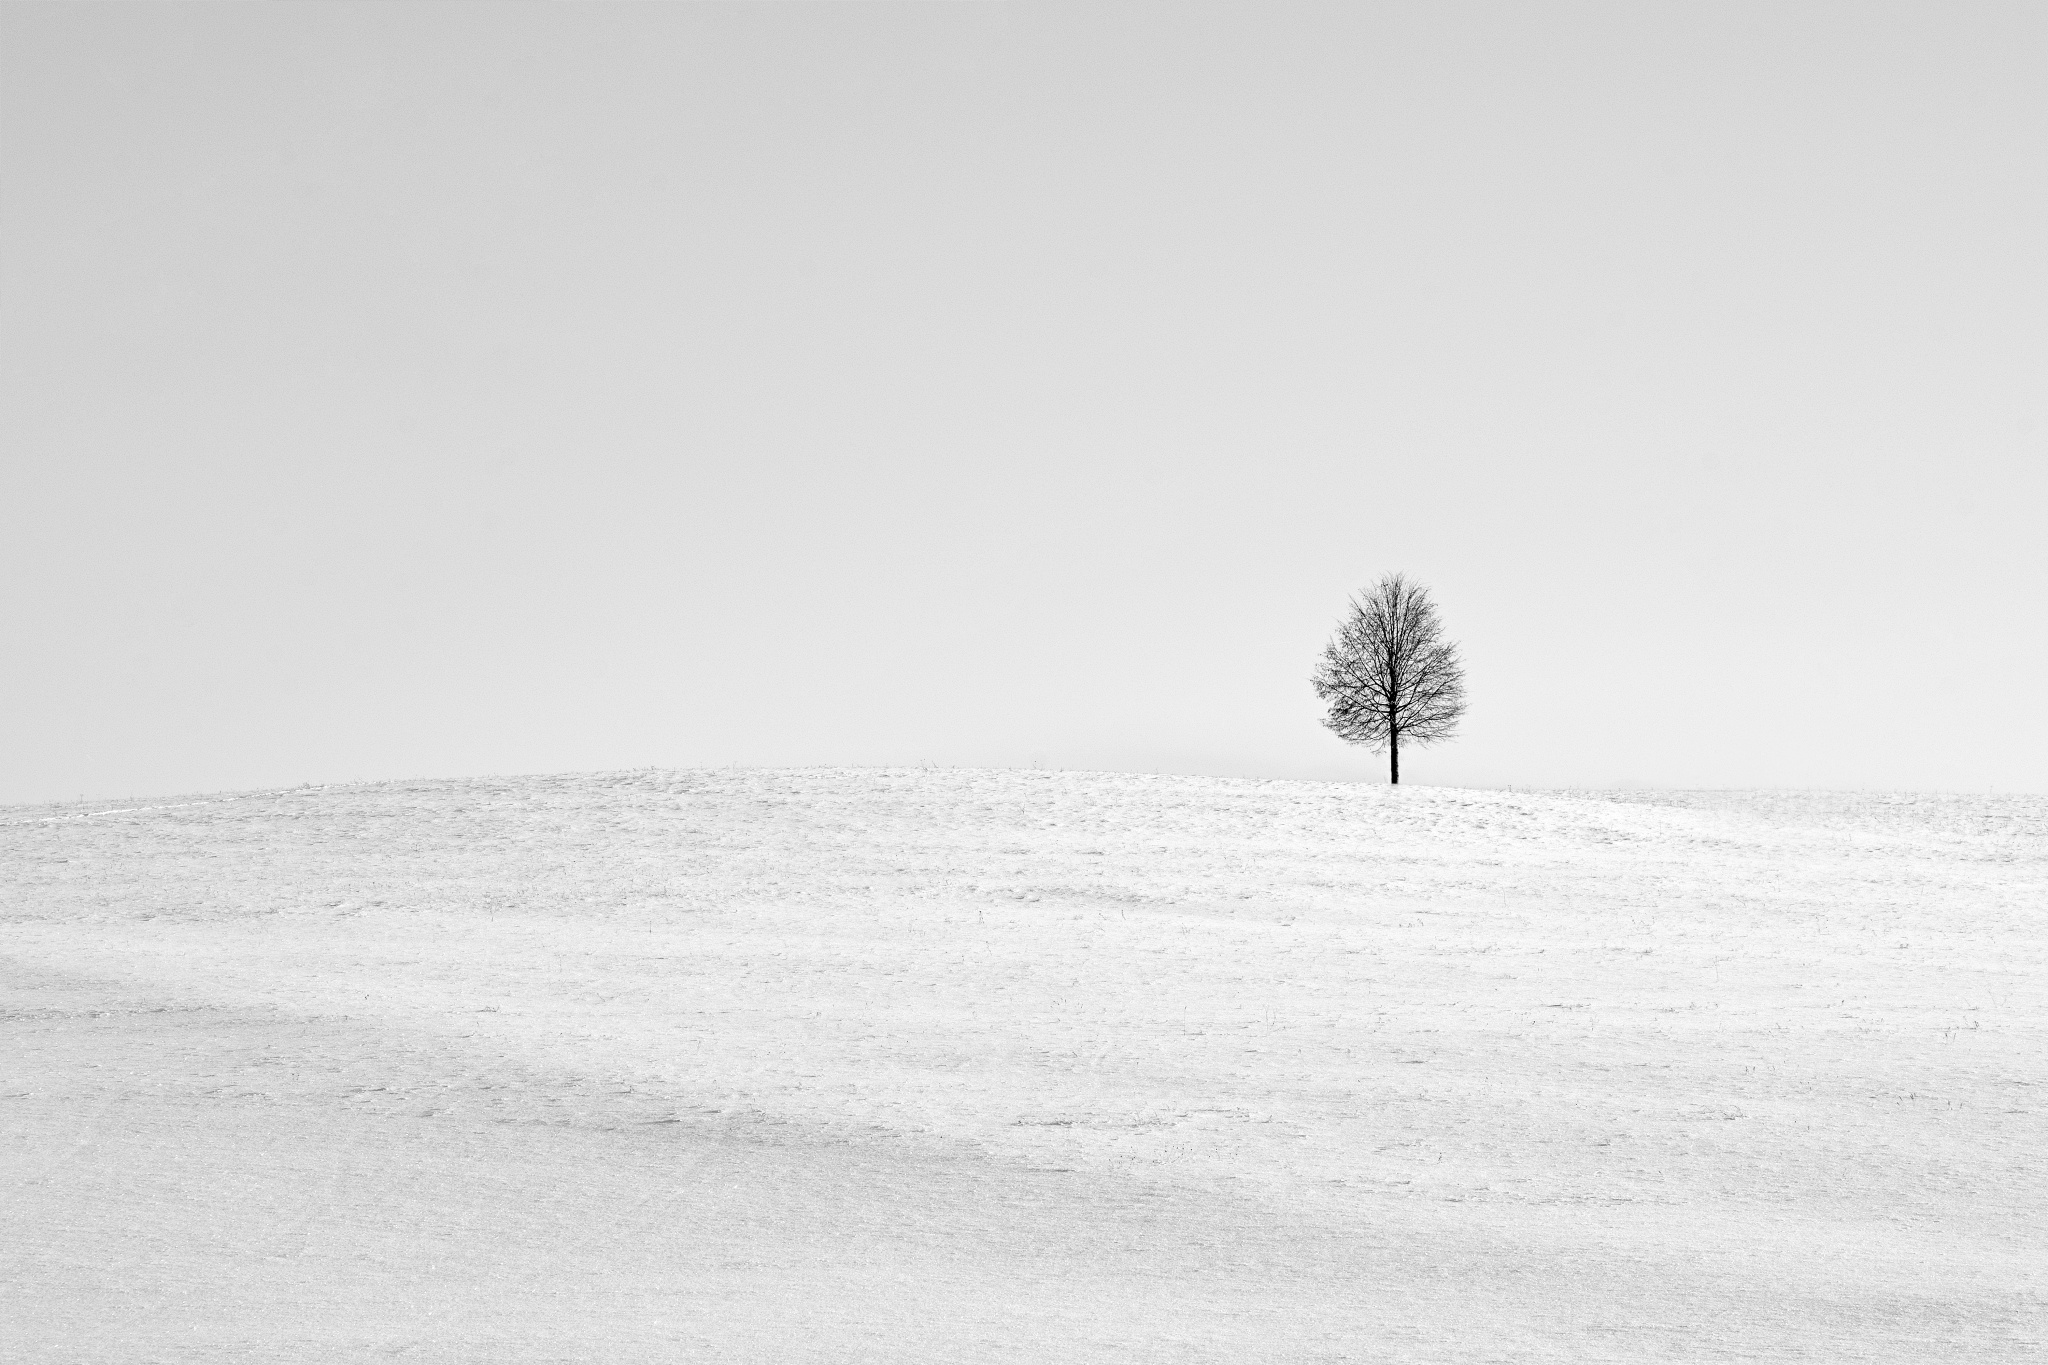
894	1065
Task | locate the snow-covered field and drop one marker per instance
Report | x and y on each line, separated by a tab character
895	1065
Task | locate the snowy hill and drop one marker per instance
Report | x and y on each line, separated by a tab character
887	1065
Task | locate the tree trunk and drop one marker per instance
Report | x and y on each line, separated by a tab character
1394	756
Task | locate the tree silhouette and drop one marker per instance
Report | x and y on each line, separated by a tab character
1388	674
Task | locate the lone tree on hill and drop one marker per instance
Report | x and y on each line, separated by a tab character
1388	675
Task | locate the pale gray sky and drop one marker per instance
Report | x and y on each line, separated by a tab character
426	390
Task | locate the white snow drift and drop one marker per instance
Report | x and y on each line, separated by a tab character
941	1066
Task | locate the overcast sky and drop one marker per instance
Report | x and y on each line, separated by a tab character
401	390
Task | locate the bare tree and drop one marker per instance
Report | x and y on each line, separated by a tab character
1389	675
